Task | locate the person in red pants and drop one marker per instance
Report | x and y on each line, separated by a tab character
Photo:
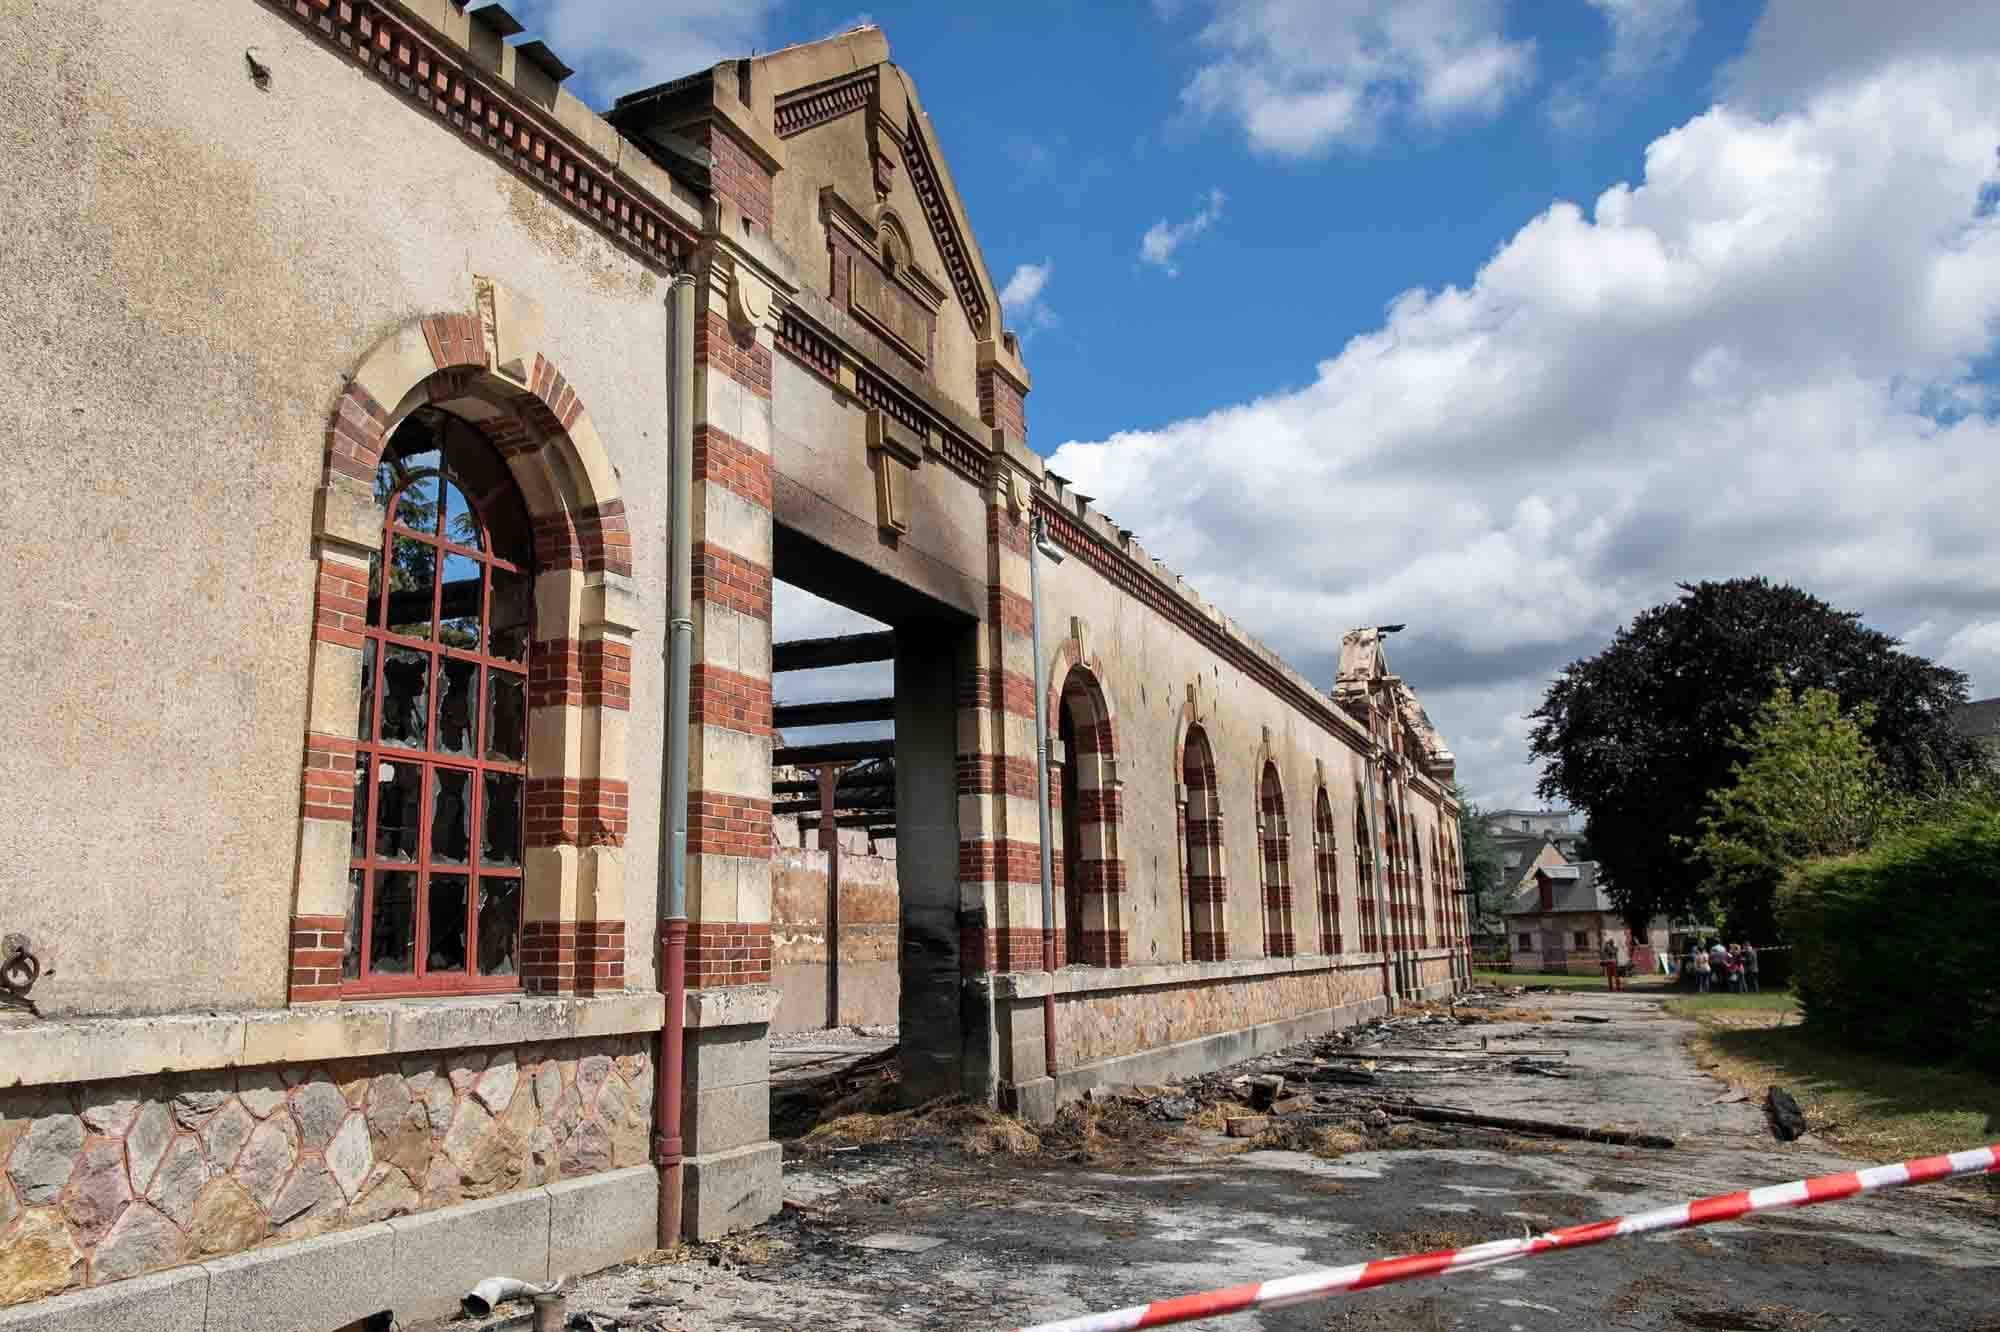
1609	952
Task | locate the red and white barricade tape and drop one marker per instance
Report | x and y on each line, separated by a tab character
1330	1281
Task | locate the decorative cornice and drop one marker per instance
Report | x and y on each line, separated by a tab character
506	128
1145	587
799	111
956	254
820	353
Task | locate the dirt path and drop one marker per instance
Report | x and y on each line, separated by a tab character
1020	1242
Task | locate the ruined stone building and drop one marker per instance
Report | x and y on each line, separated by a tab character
335	594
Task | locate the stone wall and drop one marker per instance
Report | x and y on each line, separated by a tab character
1095	1025
105	1181
869	938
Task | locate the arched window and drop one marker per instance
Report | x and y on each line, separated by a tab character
1365	887
1275	854
1208	886
1396	927
1326	874
441	755
1419	921
1093	872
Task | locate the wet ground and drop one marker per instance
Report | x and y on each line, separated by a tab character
921	1235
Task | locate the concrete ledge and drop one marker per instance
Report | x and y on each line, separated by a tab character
328	1281
95	1049
731	1190
731	1006
1205	1054
175	1299
441	1255
600	1220
1088	980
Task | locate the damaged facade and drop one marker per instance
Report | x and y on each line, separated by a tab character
337	588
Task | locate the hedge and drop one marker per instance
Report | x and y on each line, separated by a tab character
1894	947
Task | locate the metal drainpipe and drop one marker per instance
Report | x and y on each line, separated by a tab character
673	823
1042	798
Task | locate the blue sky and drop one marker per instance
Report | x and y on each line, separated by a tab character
1494	318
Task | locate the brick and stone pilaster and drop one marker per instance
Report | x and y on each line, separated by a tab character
731	1170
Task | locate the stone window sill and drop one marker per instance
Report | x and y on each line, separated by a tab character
94	1049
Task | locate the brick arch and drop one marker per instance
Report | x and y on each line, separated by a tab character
1367	890
1078	695
1205	882
1274	848
576	802
1326	870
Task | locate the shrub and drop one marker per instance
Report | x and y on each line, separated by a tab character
1893	946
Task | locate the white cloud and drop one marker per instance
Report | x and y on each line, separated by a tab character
1304	76
1164	239
619	47
1757	359
1022	299
1646	35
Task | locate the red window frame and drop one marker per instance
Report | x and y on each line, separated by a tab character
371	752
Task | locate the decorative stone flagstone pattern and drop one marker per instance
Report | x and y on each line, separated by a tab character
107	1181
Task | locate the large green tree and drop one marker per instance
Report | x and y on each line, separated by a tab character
1807	785
1639	735
1485	876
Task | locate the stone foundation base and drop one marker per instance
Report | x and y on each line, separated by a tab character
414	1266
731	1190
1208	1053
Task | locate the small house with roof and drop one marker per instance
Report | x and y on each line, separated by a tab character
1560	918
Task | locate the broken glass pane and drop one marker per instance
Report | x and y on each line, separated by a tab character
405	696
461	520
457	705
417	506
412	583
451	816
350	957
447	923
513	611
398	788
392	940
500	824
499	925
459	609
374	612
358	847
506	716
364	720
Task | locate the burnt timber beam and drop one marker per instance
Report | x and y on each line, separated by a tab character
806	654
836	712
839	751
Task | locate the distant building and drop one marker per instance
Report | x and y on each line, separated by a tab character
1979	722
1530	837
1559	920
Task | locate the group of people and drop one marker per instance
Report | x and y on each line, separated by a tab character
1716	967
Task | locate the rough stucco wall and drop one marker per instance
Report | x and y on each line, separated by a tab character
1103	1025
1149	663
820	443
193	267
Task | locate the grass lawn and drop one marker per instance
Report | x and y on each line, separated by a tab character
1703	1005
1864	1105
